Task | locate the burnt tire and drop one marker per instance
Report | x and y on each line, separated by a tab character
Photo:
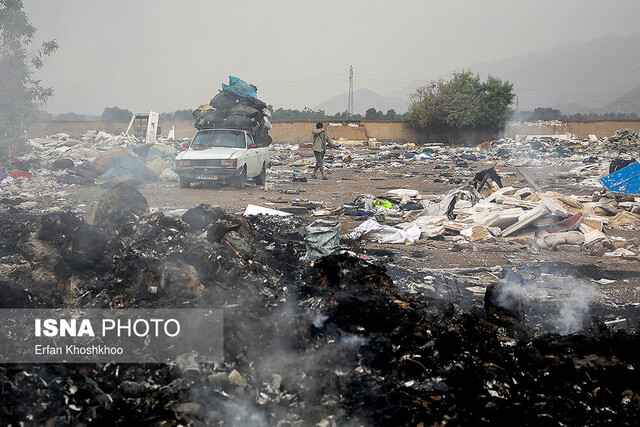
262	178
240	180
185	182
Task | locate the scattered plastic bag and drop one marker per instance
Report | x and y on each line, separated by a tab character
260	210
379	203
322	239
385	233
169	175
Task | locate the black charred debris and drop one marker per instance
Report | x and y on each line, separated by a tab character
333	342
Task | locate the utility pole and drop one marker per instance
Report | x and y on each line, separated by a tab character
350	106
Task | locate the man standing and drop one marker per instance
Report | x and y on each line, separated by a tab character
320	141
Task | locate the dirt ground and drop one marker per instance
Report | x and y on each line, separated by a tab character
344	185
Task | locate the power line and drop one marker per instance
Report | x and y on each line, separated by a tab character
289	82
304	86
391	78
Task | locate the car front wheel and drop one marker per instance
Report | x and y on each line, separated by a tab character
240	180
185	182
260	179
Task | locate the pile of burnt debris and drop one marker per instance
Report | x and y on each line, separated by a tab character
329	343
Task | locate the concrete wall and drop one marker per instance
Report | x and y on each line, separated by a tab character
183	128
293	131
282	131
535	128
382	130
582	129
300	130
601	128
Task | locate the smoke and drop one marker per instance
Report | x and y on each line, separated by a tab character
574	310
354	341
550	303
239	413
284	371
318	319
510	295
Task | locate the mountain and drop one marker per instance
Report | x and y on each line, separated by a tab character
589	73
578	77
363	99
582	76
627	103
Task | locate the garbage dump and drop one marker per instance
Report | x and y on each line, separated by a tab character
331	342
95	158
495	305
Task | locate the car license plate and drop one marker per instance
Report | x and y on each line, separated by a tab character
211	177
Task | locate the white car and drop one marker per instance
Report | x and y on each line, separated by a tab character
223	154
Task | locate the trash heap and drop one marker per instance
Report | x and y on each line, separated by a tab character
550	220
451	164
332	342
96	157
236	106
623	140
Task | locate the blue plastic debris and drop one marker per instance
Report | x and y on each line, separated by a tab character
125	166
152	154
240	88
625	180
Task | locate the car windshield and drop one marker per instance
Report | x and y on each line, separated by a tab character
228	138
201	139
219	138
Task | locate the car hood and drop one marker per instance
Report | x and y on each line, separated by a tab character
209	153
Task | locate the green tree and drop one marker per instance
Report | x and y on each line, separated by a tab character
342	116
391	115
70	117
373	114
177	115
462	102
305	114
546	114
496	99
21	96
116	114
370	114
427	106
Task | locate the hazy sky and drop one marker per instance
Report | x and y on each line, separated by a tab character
165	55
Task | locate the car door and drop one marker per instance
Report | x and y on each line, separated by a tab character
263	156
254	166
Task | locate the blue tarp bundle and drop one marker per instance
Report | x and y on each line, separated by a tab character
240	88
125	166
152	154
625	180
